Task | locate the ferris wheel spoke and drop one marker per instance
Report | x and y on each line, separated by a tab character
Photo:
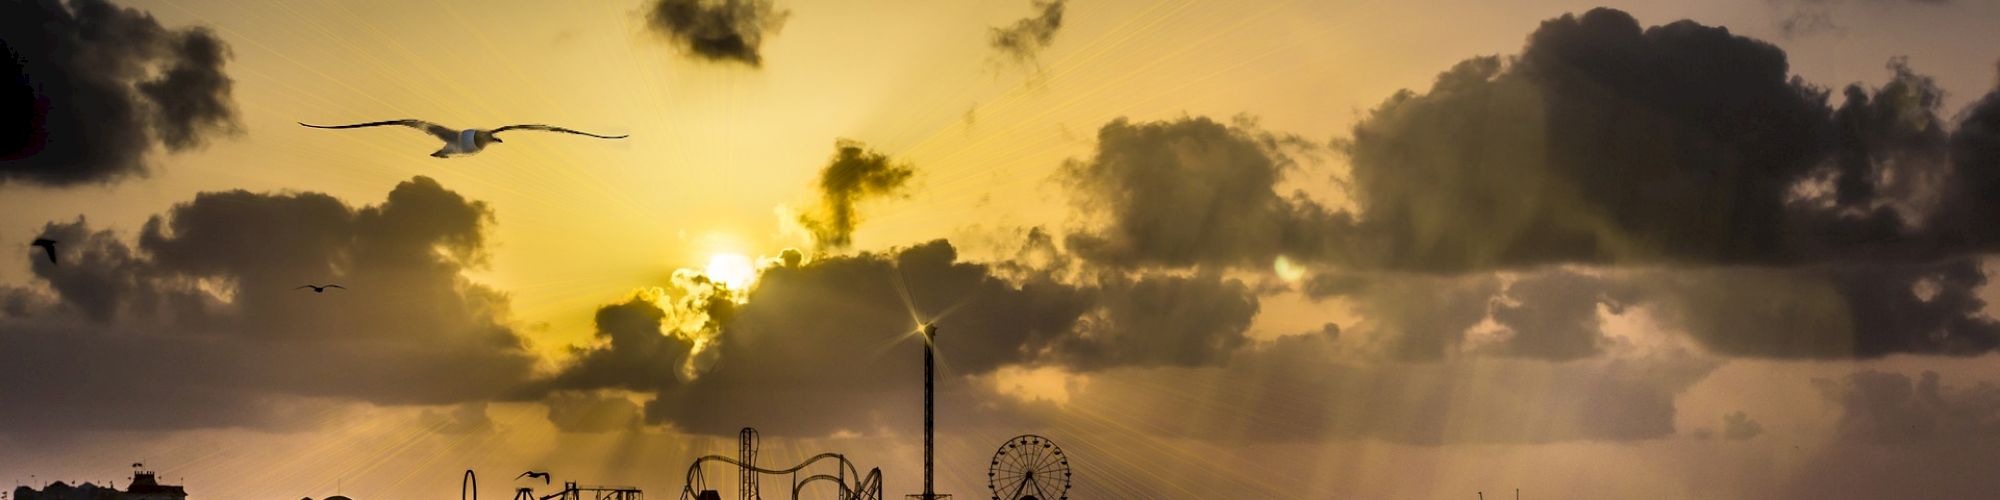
1029	465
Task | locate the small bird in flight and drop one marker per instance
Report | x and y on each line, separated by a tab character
532	475
463	142
48	247
320	288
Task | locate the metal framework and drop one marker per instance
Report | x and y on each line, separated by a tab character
746	451
851	483
1029	467
468	489
571	491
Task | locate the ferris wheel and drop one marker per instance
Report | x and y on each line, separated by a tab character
1029	467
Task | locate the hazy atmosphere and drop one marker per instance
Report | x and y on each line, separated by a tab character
1248	249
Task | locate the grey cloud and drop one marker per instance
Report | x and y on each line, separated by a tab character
1833	312
634	353
1936	439
1553	316
465	418
592	413
1302	389
91	87
1890	408
1803	18
717	30
1024	40
1192	192
855	174
1602	143
835	332
202	318
1737	426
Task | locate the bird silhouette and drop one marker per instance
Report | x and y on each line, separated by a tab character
48	247
532	475
320	288
463	142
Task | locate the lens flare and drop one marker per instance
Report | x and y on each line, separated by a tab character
733	271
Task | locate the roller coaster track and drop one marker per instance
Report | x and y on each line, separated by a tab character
867	487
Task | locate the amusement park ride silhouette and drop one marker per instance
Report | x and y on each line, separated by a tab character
1026	467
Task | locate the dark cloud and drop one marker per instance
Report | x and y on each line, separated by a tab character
717	30
1304	389
465	418
1935	439
1188	321
1603	142
92	87
200	317
1191	192
835	334
1802	18
1737	426
1680	144
1891	409
855	174
593	413
1025	39
634	351
1552	315
1834	312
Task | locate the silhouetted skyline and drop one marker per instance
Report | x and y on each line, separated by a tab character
1266	249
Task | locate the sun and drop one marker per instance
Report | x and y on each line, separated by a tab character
734	271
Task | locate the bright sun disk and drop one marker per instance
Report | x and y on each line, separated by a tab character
732	270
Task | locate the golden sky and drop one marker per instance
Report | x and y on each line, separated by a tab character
723	156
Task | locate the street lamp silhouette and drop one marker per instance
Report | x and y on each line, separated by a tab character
929	332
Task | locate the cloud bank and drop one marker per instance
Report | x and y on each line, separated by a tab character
198	324
717	30
89	88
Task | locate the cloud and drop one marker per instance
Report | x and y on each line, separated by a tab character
1305	389
1681	150
1679	144
1191	192
1934	438
92	87
1803	18
464	418
834	335
1737	426
198	325
1890	408
855	174
1564	155
1024	40
1602	143
593	413
717	30
1866	311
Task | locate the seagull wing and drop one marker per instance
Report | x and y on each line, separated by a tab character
336	286
48	247
441	131
302	287
525	474
548	128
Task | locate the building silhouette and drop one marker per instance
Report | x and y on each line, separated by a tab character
145	486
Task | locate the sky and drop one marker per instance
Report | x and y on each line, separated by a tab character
1279	249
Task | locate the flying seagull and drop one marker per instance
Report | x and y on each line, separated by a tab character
533	474
320	288
48	247
463	142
